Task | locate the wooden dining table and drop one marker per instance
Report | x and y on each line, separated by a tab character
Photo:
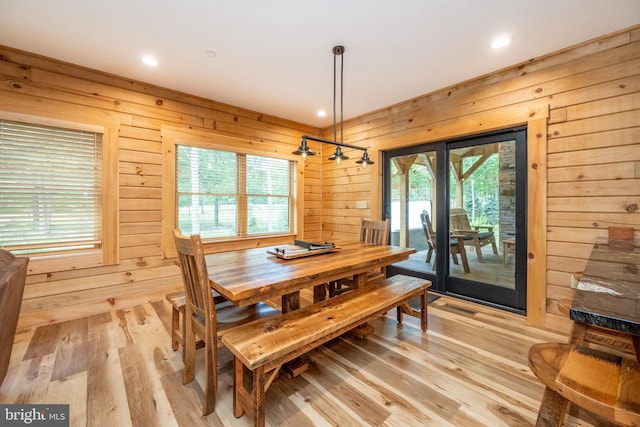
608	295
247	276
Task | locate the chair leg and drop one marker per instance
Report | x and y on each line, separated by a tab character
429	254
465	261
479	252
189	346
211	375
175	325
494	246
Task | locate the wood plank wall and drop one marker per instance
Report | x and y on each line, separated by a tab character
38	86
587	101
585	97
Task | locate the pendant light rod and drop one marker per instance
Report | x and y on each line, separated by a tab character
304	149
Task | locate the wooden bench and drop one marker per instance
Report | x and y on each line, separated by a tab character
263	346
600	382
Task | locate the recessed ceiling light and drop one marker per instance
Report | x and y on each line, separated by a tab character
322	113
150	61
500	42
211	53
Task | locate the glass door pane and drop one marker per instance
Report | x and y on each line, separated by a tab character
413	186
482	213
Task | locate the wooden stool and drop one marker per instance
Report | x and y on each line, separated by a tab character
597	381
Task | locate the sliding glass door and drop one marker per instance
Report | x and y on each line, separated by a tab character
462	205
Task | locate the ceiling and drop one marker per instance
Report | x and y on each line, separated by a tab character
275	57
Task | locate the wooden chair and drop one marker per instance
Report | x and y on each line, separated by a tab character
459	224
178	302
376	233
456	244
203	319
600	382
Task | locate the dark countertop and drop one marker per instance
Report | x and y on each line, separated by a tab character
608	294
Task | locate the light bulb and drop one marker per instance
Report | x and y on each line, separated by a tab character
338	160
364	165
304	155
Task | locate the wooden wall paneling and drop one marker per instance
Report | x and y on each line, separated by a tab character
615	137
595	172
595	204
73	285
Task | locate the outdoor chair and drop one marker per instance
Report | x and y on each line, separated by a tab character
459	224
456	244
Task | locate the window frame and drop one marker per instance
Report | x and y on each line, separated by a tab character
108	252
171	138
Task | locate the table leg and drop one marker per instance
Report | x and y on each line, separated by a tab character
364	330
319	292
291	302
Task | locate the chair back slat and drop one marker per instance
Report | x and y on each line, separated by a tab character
376	232
459	219
427	226
194	274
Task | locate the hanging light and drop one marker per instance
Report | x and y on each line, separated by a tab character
364	161
304	150
338	156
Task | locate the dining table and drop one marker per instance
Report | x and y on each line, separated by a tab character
248	276
608	294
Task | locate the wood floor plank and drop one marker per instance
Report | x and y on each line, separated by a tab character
469	369
107	402
70	391
333	385
142	405
71	351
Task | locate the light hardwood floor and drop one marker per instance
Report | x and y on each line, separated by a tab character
118	369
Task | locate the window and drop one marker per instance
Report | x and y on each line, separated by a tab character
224	194
50	189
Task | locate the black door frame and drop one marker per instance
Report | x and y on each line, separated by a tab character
504	298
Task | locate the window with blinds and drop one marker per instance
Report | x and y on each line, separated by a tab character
50	188
222	194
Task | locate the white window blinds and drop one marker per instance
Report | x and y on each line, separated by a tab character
50	188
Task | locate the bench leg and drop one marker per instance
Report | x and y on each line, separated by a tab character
259	388
423	311
552	409
238	387
252	402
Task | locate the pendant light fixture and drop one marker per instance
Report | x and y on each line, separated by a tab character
338	156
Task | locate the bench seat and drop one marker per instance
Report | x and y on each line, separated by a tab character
264	345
